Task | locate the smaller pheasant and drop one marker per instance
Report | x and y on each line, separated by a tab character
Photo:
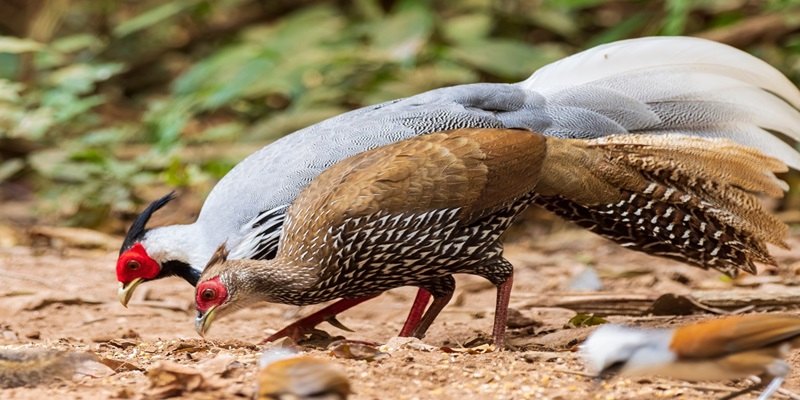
722	349
418	211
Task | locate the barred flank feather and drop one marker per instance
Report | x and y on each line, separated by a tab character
691	199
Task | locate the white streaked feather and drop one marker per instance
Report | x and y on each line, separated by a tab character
251	239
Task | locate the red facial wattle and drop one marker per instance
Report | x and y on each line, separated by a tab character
136	263
210	293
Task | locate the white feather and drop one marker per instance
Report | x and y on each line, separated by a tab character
628	56
678	84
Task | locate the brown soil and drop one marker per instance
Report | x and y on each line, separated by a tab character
66	299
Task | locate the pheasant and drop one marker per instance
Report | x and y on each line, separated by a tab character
652	85
722	349
418	211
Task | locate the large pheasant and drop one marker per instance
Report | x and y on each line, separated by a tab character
651	86
418	211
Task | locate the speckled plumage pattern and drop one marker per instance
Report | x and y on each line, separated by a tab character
411	214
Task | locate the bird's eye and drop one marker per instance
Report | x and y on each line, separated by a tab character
208	294
133	265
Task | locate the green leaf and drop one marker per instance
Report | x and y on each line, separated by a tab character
73	43
562	23
152	17
10	91
228	131
239	81
165	121
14	45
505	58
623	30
34	124
402	36
467	28
677	14
585	319
214	72
572	4
10	168
80	78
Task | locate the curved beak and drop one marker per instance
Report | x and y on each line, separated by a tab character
203	321
126	290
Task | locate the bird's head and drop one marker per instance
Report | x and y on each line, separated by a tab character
134	264
613	349
216	293
229	285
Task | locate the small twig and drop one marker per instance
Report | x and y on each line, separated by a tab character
704	307
698	386
571	372
743	310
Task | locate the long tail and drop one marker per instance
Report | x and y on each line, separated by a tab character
676	196
671	84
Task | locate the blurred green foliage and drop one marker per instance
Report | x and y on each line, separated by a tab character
102	101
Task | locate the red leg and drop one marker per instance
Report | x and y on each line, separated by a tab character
415	315
303	325
501	312
436	307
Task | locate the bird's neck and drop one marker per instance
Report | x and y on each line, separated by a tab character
179	246
281	280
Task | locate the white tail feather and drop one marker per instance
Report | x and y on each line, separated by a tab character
626	56
678	84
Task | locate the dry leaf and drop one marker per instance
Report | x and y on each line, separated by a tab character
355	350
223	365
396	343
169	379
482	349
120	365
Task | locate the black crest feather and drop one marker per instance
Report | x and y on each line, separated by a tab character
137	229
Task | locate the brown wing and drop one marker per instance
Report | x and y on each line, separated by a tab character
720	337
472	169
